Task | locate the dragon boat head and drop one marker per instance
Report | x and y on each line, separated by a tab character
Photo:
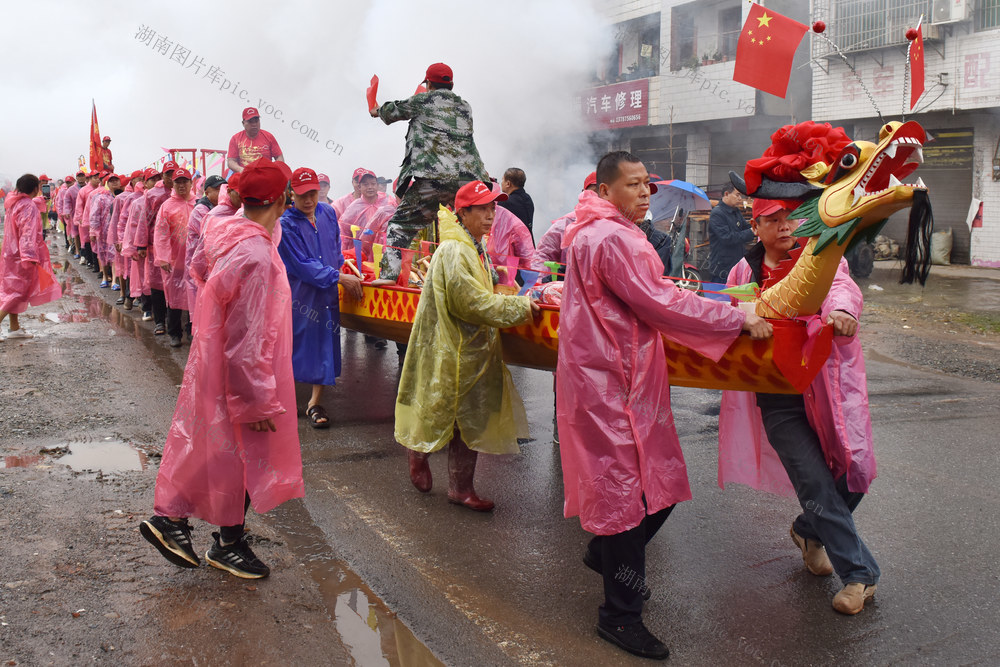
847	190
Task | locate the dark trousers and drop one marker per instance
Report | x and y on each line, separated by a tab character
158	301
826	502
623	565
174	318
418	209
230	534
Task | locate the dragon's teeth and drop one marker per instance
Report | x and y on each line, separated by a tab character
893	181
891	149
920	183
918	154
859	192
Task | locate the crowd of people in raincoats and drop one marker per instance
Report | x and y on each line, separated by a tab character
258	263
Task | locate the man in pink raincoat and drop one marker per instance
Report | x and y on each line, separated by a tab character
822	438
550	245
170	248
362	210
101	202
509	245
82	234
116	231
69	207
153	278
127	221
623	469
341	203
138	285
213	190
25	270
234	438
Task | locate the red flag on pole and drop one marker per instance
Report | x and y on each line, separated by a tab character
765	50
917	67
96	152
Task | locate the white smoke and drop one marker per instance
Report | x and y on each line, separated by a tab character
520	66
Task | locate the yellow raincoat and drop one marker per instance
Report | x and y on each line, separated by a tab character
454	370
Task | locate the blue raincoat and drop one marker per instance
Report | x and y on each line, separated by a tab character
313	259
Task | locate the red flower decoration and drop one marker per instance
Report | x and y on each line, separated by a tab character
792	149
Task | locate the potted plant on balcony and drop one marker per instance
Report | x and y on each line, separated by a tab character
718	57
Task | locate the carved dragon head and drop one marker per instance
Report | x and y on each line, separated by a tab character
845	189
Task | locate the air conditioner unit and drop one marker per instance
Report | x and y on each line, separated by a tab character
949	11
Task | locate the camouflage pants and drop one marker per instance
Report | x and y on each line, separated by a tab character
417	212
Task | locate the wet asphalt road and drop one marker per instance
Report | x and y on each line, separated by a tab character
729	586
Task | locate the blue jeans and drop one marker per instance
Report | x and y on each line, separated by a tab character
826	503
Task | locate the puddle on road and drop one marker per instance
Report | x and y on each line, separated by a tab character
108	456
367	627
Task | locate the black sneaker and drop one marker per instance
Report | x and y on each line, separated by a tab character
236	559
171	539
635	639
592	561
175	341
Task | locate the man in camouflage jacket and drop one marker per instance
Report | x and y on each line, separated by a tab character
440	157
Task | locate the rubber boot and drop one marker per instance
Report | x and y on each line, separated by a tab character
420	471
461	470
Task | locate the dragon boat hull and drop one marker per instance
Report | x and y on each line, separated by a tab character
785	364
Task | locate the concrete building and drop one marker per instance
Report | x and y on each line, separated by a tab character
665	92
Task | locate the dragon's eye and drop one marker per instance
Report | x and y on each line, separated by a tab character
848	161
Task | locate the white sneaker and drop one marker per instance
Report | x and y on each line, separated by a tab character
83	260
20	333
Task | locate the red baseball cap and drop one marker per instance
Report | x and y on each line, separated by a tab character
169	166
106	138
250	112
323	178
771	206
233	183
81	173
138	173
590	180
150	172
263	182
439	73
68	179
359	172
475	193
43	177
304	180
180	173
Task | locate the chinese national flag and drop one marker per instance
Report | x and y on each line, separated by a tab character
765	50
96	150
917	67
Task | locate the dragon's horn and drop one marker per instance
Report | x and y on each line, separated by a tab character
776	189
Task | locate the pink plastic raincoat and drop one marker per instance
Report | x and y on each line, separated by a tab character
836	404
360	213
340	205
25	269
154	198
69	207
170	245
509	244
100	219
550	245
617	437
239	371
194	225
78	212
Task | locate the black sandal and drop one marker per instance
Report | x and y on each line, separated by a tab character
315	413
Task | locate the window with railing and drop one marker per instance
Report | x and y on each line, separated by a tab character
636	53
704	32
863	25
988	15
